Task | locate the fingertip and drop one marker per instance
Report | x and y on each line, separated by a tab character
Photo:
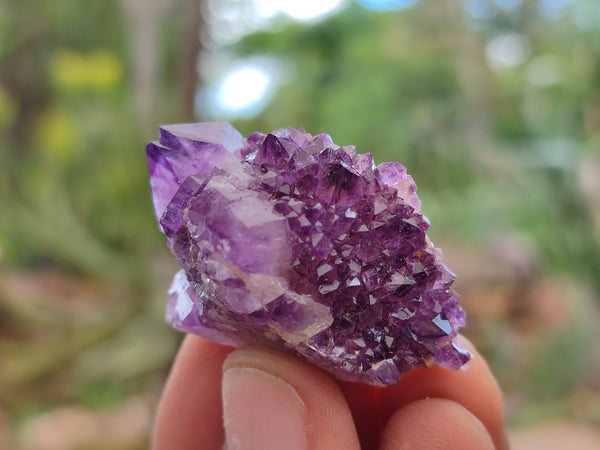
189	413
328	420
435	424
474	387
262	411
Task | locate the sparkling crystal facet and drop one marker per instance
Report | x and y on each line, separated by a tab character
291	241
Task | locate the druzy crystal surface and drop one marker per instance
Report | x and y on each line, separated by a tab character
291	241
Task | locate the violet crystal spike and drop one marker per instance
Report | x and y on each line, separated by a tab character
291	241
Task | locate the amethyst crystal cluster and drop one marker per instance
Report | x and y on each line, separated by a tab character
291	241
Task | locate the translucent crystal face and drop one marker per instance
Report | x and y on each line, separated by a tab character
291	241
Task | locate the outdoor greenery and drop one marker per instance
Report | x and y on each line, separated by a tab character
499	150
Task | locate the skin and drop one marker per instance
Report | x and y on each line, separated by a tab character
431	408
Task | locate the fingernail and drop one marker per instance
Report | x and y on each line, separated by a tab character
262	412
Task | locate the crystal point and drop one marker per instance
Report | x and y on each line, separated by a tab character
291	241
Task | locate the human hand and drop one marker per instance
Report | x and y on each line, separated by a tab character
256	398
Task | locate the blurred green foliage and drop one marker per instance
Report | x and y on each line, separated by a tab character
492	151
75	188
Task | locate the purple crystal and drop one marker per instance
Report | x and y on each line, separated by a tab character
291	241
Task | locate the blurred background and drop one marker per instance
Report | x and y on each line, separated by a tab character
492	105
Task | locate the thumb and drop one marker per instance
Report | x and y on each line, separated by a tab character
273	400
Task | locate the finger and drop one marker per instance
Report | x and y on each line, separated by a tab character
189	414
274	400
365	402
473	387
435	424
